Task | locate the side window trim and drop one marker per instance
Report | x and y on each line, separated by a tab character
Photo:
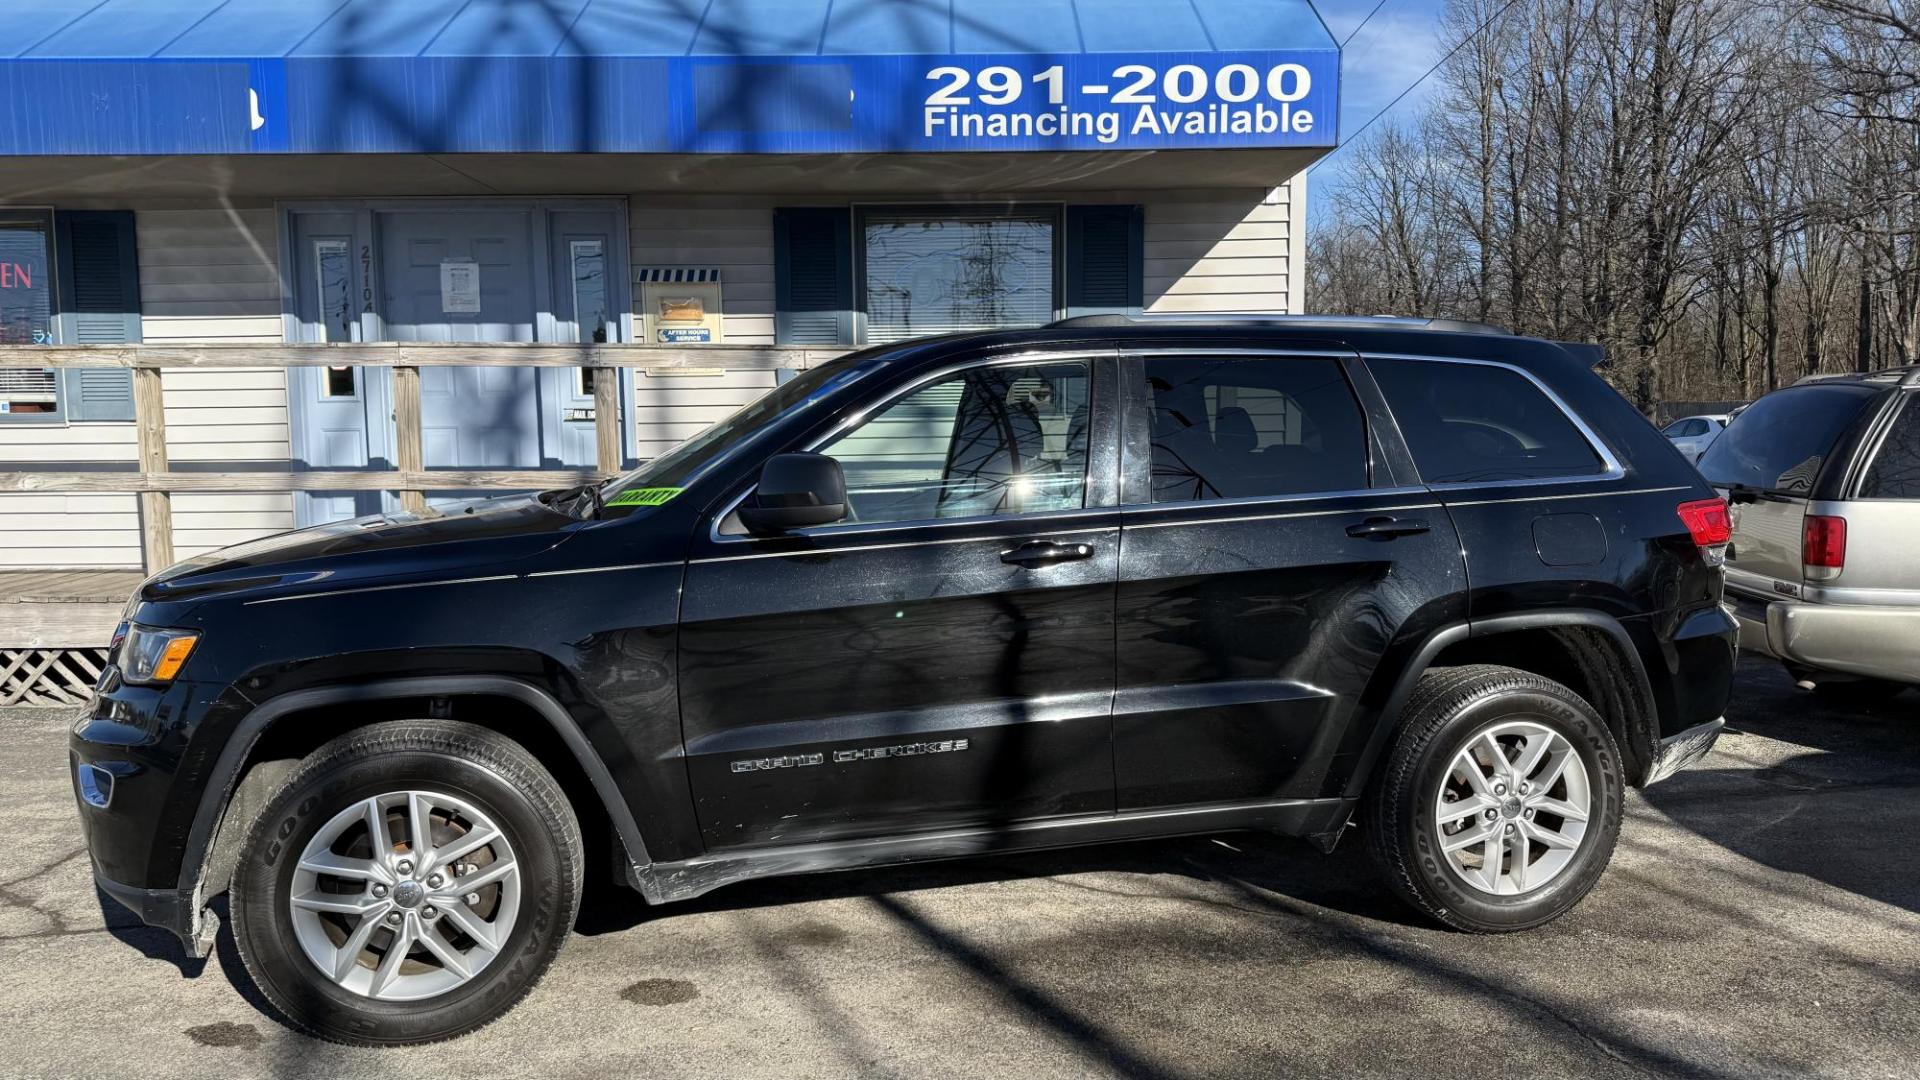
1611	467
1103	423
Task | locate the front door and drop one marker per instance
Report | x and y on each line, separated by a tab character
1266	564
466	276
942	660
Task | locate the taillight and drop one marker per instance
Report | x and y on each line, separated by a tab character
1823	546
1711	527
1707	520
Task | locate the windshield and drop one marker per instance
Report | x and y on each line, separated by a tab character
659	480
1780	441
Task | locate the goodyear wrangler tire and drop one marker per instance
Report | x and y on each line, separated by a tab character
1499	805
410	882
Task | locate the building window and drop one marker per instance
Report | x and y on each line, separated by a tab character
26	315
947	270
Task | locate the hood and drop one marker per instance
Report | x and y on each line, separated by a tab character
444	540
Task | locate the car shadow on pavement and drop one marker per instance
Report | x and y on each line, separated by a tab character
1833	812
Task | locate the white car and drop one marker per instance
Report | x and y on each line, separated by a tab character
1693	434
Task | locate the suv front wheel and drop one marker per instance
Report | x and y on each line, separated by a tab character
409	882
1500	802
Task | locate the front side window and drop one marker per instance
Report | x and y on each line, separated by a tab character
26	315
949	271
993	440
1476	423
1895	472
1245	427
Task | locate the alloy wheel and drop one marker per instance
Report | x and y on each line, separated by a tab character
1513	808
405	895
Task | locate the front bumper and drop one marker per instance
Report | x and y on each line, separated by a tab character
1677	752
168	909
1871	641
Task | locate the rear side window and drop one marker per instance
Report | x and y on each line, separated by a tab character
1473	423
1780	442
1895	472
1685	428
1245	427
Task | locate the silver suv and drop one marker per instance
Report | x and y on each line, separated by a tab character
1823	478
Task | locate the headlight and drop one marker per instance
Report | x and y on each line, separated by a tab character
152	655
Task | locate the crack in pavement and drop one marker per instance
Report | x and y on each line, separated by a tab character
12	900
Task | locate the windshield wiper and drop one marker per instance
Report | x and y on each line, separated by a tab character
1739	492
588	493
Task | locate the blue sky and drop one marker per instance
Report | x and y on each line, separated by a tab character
1393	49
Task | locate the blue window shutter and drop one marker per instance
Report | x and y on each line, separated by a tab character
1104	261
813	276
98	303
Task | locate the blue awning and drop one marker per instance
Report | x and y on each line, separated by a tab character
661	76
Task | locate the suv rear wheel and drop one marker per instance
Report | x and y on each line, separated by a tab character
1500	802
409	882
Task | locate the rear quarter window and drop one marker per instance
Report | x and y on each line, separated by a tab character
1476	423
1895	472
1781	441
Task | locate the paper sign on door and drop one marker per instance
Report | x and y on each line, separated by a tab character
459	286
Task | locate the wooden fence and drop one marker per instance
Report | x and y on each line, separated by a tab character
155	482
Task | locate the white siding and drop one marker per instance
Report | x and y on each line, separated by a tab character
1221	251
207	273
669	408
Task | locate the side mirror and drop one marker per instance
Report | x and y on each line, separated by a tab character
796	491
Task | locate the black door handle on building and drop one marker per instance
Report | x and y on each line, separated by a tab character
1386	528
1045	553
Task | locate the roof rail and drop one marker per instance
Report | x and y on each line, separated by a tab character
1905	375
1256	318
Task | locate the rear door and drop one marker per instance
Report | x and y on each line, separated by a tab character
1769	464
1268	560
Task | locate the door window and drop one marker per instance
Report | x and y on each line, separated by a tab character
1241	427
1895	472
334	288
993	440
1475	423
587	273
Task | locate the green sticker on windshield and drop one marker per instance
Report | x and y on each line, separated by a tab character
643	496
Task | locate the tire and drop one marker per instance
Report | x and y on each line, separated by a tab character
1450	711
518	893
1858	693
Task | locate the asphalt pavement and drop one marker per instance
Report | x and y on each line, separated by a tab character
1761	918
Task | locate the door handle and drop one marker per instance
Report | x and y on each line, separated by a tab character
1386	528
1039	553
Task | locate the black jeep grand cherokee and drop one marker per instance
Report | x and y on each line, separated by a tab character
1102	580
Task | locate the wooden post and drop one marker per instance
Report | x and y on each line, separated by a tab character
156	507
606	418
407	451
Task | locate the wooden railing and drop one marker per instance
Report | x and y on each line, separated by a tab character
155	482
